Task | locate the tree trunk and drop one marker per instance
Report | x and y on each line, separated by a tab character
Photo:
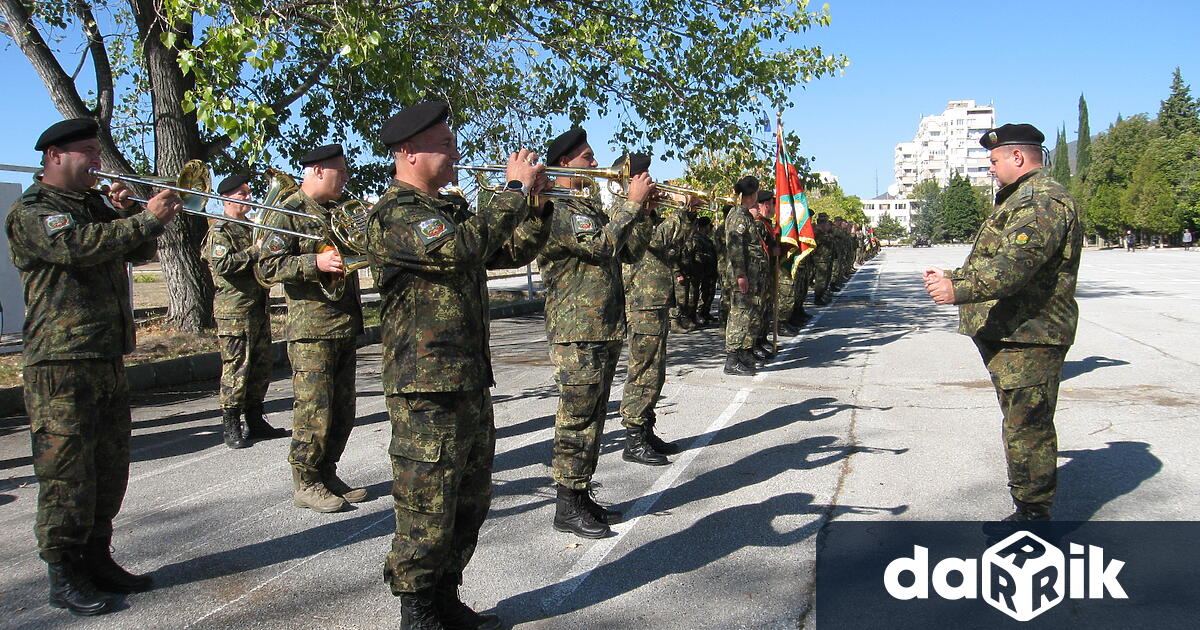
176	140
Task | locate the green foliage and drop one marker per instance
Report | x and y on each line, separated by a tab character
1180	113
927	220
1062	159
834	202
718	169
141	278
1083	142
962	208
889	227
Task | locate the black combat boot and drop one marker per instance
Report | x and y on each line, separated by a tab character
453	613
71	588
1028	512
767	347
571	516
106	574
657	443
257	427
232	419
735	364
759	355
417	611
638	451
598	512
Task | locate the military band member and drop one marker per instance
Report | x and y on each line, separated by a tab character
585	309
650	272
321	332
71	247
1016	297
431	255
243	320
706	274
742	249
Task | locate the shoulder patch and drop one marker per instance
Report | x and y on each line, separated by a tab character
583	224
219	251
741	228
1024	235
276	244
55	223
433	229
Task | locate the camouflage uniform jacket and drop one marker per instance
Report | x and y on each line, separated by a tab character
230	253
741	238
704	256
71	249
293	261
823	234
431	257
1018	283
652	259
585	300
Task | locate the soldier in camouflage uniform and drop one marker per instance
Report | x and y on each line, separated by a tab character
650	270
431	255
585	310
1016	297
823	257
685	288
704	255
243	322
71	247
742	279
321	333
763	261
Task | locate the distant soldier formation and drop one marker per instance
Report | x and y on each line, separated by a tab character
636	272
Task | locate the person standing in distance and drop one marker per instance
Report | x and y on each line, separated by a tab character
1016	297
741	239
71	244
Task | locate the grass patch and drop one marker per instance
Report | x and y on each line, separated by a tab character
143	278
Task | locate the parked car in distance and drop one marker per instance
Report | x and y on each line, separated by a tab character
921	241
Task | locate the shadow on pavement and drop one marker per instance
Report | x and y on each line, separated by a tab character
1092	478
703	543
1071	369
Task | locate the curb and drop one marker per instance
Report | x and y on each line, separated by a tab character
207	366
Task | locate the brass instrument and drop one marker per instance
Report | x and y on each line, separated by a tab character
666	193
615	177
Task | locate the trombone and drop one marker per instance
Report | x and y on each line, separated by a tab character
590	175
194	185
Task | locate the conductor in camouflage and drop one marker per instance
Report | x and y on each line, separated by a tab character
1016	297
71	246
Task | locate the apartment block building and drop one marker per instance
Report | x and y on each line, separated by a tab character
945	144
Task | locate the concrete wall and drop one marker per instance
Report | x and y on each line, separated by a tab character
11	297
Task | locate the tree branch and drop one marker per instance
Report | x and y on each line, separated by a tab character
311	80
105	90
62	89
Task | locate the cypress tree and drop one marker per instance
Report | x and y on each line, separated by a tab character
1061	170
1083	143
1180	113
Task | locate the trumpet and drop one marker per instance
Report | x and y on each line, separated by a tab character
615	177
667	193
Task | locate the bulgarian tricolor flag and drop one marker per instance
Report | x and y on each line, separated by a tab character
791	207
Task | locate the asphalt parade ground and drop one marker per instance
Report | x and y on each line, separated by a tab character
878	410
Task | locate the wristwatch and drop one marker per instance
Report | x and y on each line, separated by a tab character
515	185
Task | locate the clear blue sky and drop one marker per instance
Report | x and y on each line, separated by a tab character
907	59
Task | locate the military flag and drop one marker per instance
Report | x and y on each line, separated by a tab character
792	216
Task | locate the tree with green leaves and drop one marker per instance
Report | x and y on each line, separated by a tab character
1061	170
252	82
717	170
963	209
889	228
1115	154
1083	142
1180	113
834	202
927	218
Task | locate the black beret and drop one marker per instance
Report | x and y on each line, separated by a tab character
412	120
821	216
746	185
1023	133
766	195
66	131
232	183
638	163
704	222
570	140
320	154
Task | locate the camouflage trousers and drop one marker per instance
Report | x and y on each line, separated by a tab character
246	361
787	297
822	275
584	371
706	289
1026	378
742	326
79	424
441	450
323	405
647	365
